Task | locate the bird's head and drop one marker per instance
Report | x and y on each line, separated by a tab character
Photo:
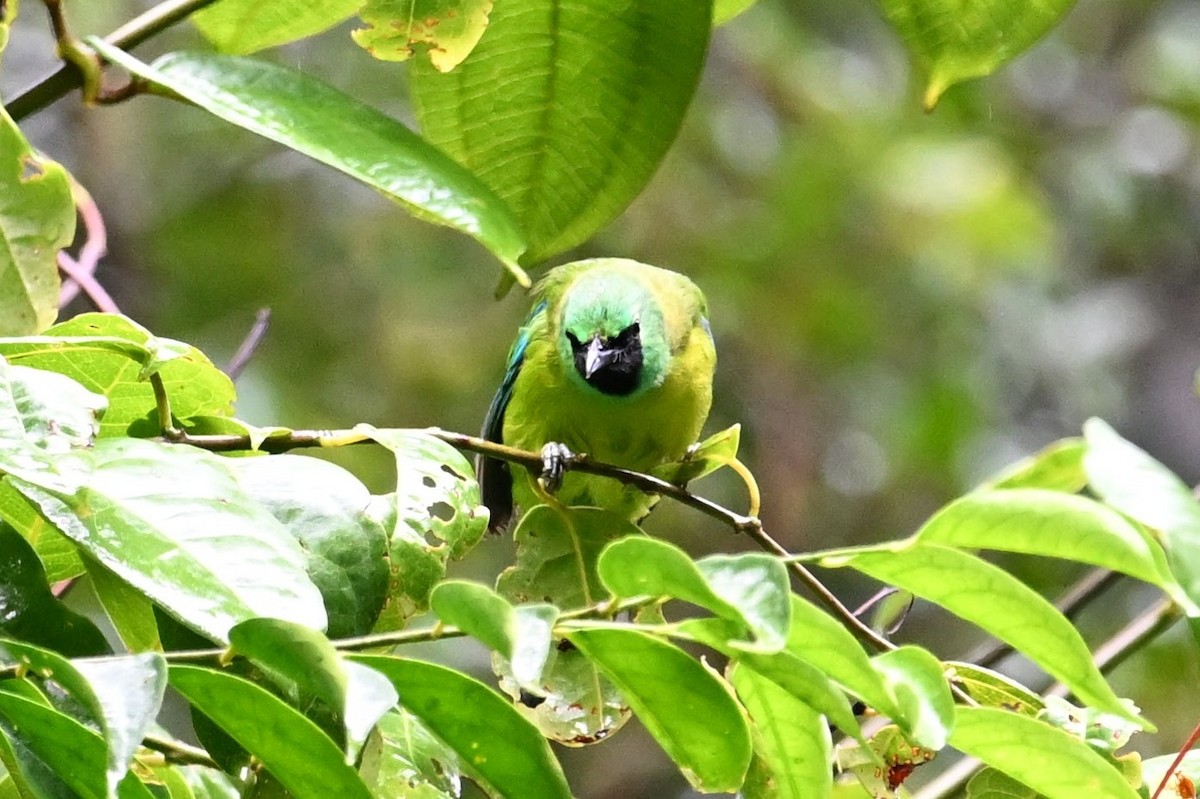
612	334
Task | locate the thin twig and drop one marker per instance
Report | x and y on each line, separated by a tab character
237	364
178	752
1183	750
132	33
81	269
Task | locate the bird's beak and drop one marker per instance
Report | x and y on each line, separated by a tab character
598	356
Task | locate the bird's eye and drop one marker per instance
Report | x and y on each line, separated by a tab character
629	334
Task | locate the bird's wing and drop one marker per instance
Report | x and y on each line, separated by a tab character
495	478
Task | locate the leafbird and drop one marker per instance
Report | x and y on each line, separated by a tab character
615	360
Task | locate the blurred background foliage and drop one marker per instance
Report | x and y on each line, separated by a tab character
903	303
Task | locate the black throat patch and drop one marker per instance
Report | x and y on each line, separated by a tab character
621	369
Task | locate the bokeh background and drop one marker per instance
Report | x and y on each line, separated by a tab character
903	302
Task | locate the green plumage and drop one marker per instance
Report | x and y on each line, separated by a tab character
616	361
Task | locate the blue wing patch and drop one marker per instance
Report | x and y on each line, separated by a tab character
495	478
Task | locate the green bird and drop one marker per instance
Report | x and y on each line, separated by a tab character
615	360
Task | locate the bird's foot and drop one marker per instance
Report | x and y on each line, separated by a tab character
555	458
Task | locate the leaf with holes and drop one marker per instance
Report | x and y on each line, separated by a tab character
992	689
37	219
445	29
566	109
246	26
325	508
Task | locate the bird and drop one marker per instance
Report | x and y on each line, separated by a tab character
615	360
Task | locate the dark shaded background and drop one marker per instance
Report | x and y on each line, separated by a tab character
903	303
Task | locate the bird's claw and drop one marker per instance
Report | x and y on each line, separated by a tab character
555	458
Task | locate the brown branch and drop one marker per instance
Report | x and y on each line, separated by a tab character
81	269
250	344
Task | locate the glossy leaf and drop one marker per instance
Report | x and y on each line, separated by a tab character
791	740
58	554
953	42
111	355
1040	522
750	588
670	691
994	600
37	219
246	26
566	110
993	784
312	118
405	760
229	560
64	746
557	550
495	745
325	508
992	689
305	658
297	752
1058	467
1134	483
26	450
58	414
131	613
30	612
1044	758
920	694
447	30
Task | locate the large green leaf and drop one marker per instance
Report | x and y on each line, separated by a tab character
1139	486
310	117
953	41
996	601
121	695
173	522
446	29
404	760
37	219
30	612
1042	522
305	658
566	109
495	745
297	752
325	508
244	26
751	588
791	740
1055	764
686	707
112	356
47	740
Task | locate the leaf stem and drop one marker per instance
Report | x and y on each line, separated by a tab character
179	752
132	33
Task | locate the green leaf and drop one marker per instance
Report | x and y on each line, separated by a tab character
245	26
1134	483
725	10
993	784
920	693
992	689
522	636
306	658
557	550
325	508
995	601
566	110
111	355
891	747
791	740
496	746
64	746
1044	758
58	554
670	692
131	613
37	219
312	118
7	17
30	612
403	759
1036	521
173	522
1154	769
817	638
122	695
751	588
1058	467
953	42
298	754
446	29
57	413
704	458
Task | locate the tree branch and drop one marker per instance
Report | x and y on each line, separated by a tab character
131	34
